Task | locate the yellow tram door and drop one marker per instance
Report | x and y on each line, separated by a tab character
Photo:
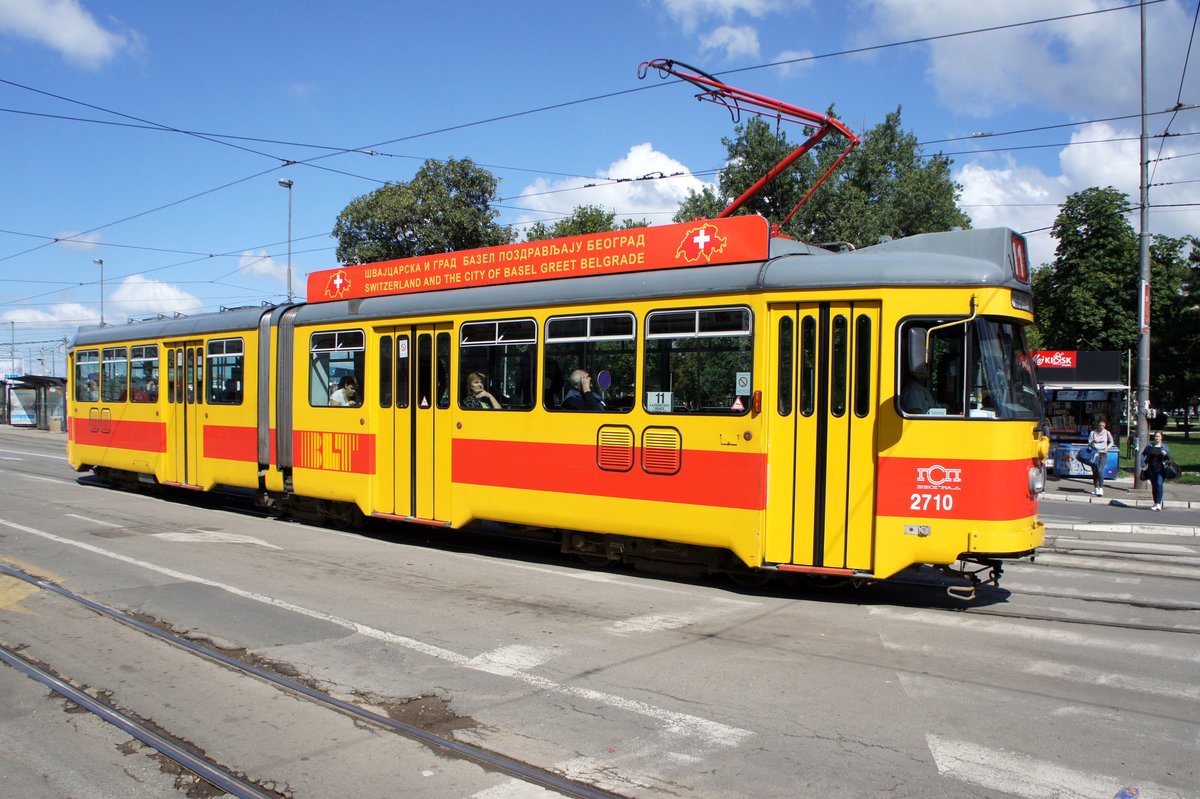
822	434
185	393
415	431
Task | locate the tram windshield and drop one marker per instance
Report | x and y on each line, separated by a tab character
979	370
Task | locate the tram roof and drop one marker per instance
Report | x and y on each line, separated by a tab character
953	258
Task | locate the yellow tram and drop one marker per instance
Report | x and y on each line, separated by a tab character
756	404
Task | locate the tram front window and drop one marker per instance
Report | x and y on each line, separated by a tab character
1002	379
980	370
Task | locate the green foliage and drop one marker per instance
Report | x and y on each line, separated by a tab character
884	188
584	219
1089	295
446	206
1175	321
1089	292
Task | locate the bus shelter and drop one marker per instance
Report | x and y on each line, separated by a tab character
37	401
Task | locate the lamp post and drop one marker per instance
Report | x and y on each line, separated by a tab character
287	184
100	262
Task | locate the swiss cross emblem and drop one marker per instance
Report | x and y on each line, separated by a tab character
338	285
701	243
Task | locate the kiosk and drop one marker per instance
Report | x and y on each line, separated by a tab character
1079	387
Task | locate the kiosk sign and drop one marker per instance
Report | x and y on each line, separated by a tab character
700	243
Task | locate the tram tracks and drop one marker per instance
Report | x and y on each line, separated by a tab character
207	769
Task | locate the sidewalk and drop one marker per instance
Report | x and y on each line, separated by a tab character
1120	493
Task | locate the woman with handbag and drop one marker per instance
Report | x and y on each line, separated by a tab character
1154	461
1100	441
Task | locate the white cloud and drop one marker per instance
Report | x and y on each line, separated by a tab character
692	12
792	55
1025	198
67	27
1018	197
68	314
1086	65
80	242
137	296
737	42
655	200
259	263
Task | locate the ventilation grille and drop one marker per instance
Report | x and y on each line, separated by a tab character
661	450
614	448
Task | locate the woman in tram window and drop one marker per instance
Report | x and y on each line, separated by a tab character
478	398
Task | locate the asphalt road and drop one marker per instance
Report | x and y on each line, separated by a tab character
1078	676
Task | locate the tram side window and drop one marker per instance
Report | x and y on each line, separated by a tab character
225	373
143	373
699	361
87	376
604	346
941	392
337	359
504	352
114	375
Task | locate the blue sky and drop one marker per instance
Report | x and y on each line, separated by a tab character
153	135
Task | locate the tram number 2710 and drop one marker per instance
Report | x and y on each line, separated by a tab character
937	501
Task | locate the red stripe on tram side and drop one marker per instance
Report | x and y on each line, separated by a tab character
121	434
955	488
229	443
714	479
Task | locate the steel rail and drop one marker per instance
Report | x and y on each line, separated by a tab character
203	768
505	765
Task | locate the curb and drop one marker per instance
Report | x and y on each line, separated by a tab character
1136	529
1177	504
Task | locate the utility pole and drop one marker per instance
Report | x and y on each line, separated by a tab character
1143	372
287	184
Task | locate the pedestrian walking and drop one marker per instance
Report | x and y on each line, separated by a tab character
1154	461
1101	441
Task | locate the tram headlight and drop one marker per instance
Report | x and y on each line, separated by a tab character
1037	480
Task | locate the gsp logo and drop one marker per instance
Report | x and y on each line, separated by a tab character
938	475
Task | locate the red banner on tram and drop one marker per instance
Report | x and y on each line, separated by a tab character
701	243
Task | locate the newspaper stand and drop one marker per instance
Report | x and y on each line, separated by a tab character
1079	388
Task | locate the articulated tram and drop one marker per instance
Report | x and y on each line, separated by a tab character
758	405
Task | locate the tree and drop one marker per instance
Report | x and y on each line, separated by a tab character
1175	322
884	188
446	206
584	219
1089	292
1088	296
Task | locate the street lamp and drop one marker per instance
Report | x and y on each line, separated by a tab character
287	184
100	261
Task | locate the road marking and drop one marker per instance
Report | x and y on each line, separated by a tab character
513	789
34	454
1178	548
212	537
661	622
508	660
683	724
6	458
1016	629
1021	775
57	480
1124	682
92	521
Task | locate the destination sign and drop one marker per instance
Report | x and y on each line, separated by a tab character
701	243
